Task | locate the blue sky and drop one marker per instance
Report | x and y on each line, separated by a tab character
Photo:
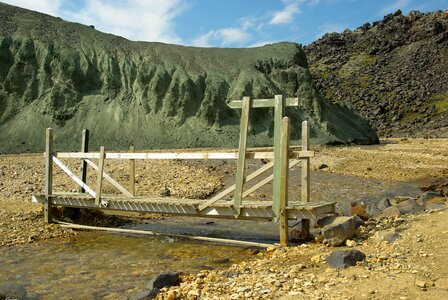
225	23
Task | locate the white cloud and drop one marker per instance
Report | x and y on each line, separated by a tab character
149	20
262	43
394	6
44	6
286	15
330	27
232	36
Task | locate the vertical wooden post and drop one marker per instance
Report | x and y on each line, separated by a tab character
239	178
305	177
84	149
99	182
278	115
305	164
132	173
284	176
48	174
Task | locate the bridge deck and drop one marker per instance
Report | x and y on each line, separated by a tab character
250	209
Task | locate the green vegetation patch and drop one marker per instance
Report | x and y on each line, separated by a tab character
442	105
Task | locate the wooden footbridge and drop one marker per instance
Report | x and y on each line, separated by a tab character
280	208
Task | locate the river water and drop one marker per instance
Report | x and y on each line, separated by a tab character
114	266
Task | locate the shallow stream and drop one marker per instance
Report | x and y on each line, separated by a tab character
114	266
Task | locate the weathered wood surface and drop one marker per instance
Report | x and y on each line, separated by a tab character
72	175
305	163
84	149
179	155
255	187
132	172
250	209
259	103
284	177
109	179
99	181
231	188
241	163
278	116
48	173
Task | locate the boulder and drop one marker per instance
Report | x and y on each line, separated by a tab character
390	212
339	230
383	204
341	259
427	196
359	209
325	220
409	206
388	236
164	280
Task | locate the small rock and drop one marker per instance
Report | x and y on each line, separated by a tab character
172	295
165	192
341	229
193	294
420	283
390	212
383	204
409	206
322	166
341	259
164	280
359	209
350	243
427	196
388	236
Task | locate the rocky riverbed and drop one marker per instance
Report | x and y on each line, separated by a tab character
412	266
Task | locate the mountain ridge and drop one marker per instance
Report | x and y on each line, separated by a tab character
394	71
153	95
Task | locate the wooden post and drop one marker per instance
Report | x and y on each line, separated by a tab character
132	173
278	115
48	174
284	172
305	177
239	178
305	164
99	182
84	149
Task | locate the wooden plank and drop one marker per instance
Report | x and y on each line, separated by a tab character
84	149
278	115
110	179
284	177
99	182
48	173
73	176
259	103
132	173
173	155
239	178
305	190
252	189
231	188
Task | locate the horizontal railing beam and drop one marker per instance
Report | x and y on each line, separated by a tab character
182	155
259	103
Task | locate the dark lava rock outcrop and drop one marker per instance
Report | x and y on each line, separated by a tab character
395	72
70	76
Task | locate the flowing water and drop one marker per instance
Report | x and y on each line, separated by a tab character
114	266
